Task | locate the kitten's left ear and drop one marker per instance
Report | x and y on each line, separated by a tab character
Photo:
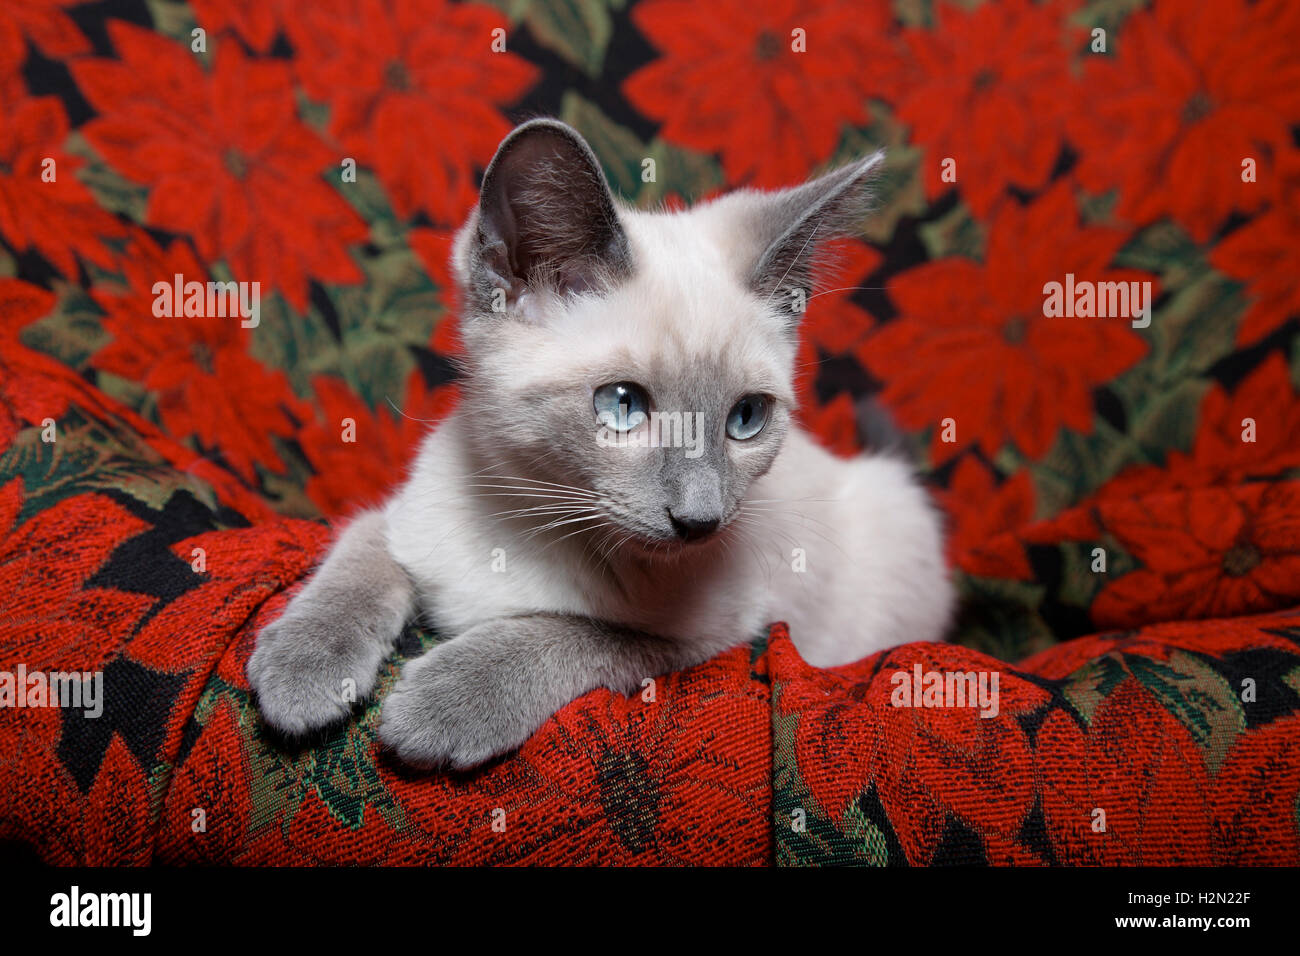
790	226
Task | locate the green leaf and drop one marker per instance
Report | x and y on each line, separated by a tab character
1087	687
89	455
1076	465
171	19
301	345
368	198
1198	696
378	321
623	156
621	152
1079	583
381	321
73	332
899	190
1162	248
955	234
1295	363
1292	680
915	13
340	768
111	191
1108	14
1196	328
131	394
288	491
1000	618
1163	418
872	846
578	30
316	114
1097	210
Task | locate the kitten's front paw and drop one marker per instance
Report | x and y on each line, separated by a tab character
308	672
452	708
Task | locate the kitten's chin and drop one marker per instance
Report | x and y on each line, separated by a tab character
668	549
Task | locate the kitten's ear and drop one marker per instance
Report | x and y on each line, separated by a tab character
790	226
545	218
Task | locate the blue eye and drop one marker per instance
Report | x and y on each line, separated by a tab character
747	417
621	406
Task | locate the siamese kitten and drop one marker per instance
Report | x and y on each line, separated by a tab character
622	491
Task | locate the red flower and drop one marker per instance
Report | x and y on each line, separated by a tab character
58	219
1136	763
924	762
684	778
1192	90
833	323
354	472
834	425
983	515
228	160
681	779
1219	454
972	343
31	387
36	790
117	816
206	383
1265	254
213	777
257	22
413	89
731	81
1209	552
1255	796
1001	116
45	23
241	572
51	620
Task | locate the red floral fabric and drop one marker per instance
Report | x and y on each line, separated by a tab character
1132	749
165	481
1151	726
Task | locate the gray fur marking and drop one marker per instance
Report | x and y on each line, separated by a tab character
487	691
313	663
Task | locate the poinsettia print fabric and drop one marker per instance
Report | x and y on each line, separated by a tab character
1115	160
1096	475
1121	749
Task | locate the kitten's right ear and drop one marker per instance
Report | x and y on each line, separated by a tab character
545	219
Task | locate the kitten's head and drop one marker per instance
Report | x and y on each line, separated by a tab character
644	357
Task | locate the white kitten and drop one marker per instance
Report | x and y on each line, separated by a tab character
621	491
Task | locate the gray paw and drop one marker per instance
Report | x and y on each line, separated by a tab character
308	672
455	707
